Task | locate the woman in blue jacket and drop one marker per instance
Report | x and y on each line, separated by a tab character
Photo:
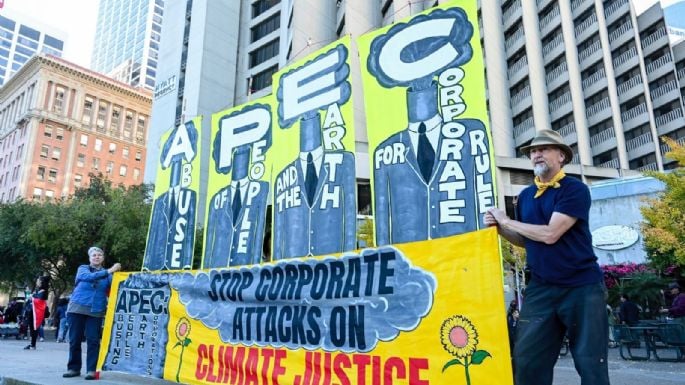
86	311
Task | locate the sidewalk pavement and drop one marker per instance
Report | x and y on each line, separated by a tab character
45	365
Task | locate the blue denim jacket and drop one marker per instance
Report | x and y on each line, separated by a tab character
92	288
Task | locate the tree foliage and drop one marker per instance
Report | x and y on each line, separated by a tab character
54	237
664	225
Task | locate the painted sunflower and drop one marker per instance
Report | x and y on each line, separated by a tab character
182	329
458	336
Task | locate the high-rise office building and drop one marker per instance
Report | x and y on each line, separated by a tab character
59	122
607	79
127	39
21	37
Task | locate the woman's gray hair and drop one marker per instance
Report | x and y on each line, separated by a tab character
95	249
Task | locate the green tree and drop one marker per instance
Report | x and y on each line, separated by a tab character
664	225
54	237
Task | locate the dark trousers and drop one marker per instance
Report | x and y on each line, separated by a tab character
549	312
80	324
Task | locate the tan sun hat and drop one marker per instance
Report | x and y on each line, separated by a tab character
549	138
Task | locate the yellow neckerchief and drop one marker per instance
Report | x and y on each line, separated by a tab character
554	183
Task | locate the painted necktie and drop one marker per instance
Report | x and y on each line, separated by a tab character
425	154
237	203
310	179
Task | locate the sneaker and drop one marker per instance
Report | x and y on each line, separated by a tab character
29	347
91	376
71	373
42	339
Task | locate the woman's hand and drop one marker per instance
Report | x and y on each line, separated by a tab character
116	267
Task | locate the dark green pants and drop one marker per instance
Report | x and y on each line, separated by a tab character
549	312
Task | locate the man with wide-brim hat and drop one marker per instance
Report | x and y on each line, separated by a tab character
677	309
565	295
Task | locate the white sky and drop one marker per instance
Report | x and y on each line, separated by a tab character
76	18
640	5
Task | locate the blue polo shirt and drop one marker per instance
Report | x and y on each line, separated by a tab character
570	261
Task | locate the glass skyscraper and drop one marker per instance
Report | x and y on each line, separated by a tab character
19	41
127	40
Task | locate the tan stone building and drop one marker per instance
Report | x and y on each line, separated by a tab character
59	122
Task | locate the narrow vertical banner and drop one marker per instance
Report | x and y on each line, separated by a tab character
238	185
314	197
171	236
430	147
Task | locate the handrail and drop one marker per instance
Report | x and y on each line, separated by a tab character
547	48
568	129
630	83
610	164
560	101
594	47
649	167
602	136
597	107
634	112
669	117
592	79
517	66
524	93
512	8
548	17
651	67
664	89
640	140
608	11
620	30
622	58
523	127
654	36
556	72
585	24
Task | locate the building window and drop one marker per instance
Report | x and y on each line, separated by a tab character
102	115
122	170
49	194
136	174
264	53
263	79
37	192
40	175
110	167
124	152
98	144
261	6
96	163
265	27
58	103
139	155
48	131
84	140
115	120
77	180
56	153
87	110
128	124
80	160
52	175
112	148
44	150
140	130
59	134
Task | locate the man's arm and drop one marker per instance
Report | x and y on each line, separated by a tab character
516	232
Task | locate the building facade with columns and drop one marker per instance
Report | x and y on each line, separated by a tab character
59	122
607	79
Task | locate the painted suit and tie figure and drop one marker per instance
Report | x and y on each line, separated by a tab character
432	179
237	213
171	236
315	199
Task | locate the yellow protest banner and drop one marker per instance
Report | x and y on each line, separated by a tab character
419	313
171	235
238	185
430	147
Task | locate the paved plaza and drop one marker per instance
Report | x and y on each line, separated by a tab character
45	365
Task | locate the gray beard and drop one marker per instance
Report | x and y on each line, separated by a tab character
540	169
